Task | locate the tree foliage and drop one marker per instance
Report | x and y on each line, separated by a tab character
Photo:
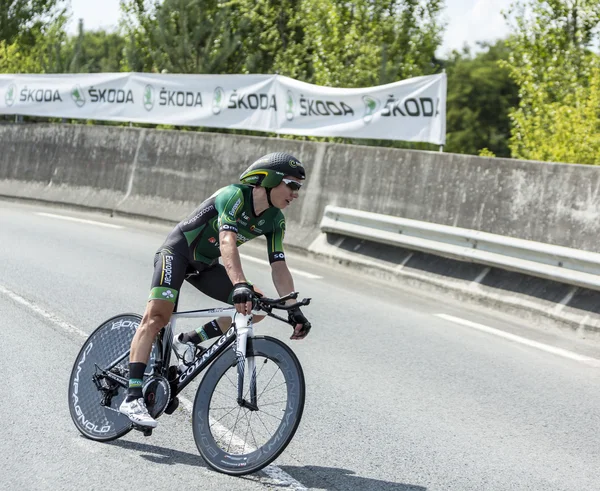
327	42
480	97
557	73
20	17
179	36
40	51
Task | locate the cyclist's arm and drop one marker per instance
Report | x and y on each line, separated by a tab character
229	204
282	279
231	257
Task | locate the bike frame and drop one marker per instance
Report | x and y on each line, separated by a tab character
241	331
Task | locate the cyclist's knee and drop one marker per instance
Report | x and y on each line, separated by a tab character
157	316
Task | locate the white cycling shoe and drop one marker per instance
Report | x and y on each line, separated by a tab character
136	411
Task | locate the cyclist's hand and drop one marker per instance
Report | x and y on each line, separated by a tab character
242	296
300	323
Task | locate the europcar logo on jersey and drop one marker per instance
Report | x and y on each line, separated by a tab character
289	106
11	95
371	107
149	97
218	101
77	96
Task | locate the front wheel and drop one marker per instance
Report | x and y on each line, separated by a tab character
234	438
94	400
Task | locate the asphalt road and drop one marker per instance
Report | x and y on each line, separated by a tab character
398	398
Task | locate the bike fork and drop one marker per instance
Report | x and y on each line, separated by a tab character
245	331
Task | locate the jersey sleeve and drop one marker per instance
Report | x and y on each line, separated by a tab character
275	239
229	204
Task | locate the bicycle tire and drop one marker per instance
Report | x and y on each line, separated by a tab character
222	460
109	341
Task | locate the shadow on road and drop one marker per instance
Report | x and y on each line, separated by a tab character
313	477
331	478
161	455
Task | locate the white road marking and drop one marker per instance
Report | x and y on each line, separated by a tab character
81	220
281	477
534	344
295	271
110	225
48	315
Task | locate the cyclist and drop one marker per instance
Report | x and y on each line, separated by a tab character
232	216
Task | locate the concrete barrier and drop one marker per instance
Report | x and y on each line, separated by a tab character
88	166
165	174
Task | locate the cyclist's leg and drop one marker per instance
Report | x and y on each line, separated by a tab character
169	271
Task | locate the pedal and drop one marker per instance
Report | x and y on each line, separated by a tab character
173	405
143	429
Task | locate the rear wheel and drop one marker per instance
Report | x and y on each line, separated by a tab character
237	439
93	398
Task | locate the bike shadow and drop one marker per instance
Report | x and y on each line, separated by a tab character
312	477
161	455
333	478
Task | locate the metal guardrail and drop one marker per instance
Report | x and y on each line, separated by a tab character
562	264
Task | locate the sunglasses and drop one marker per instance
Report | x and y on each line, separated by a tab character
293	185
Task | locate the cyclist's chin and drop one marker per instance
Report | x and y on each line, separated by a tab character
281	204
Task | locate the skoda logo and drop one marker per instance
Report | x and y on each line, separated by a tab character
11	95
78	97
289	106
149	97
218	100
371	107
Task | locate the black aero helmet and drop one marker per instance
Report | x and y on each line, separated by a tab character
268	171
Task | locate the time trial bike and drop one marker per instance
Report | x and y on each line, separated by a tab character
248	404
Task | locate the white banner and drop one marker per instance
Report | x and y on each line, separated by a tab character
410	110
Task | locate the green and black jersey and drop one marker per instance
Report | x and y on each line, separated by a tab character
192	248
231	208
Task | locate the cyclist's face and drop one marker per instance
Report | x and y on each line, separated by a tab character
283	194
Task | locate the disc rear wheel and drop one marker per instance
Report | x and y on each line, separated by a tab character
94	398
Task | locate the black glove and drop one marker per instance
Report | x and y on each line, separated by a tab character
242	293
295	317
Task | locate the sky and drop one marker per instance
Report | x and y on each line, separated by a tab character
467	21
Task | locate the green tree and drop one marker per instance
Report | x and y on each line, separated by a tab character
95	51
179	36
481	95
327	42
41	51
362	43
556	72
19	17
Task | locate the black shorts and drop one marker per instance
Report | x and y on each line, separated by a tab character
171	267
